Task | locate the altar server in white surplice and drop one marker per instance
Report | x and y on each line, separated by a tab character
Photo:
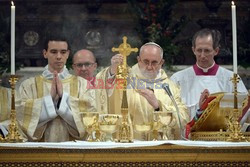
51	103
204	77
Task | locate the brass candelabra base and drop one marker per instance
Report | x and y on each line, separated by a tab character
13	136
234	128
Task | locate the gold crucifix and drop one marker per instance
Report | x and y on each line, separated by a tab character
125	130
124	49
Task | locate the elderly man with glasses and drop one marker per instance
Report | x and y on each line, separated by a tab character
84	65
145	94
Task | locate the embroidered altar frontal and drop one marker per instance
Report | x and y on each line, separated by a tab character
173	153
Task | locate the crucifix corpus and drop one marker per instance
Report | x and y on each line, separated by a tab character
125	50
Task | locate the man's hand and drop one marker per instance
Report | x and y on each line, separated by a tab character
116	60
56	90
150	96
53	90
59	87
203	97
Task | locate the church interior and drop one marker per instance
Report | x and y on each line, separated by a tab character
100	25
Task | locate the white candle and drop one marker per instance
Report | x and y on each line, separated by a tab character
234	37
12	51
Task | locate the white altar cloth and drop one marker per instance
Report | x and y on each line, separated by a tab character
107	145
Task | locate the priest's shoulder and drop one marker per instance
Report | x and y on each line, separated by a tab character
183	73
31	79
80	79
223	69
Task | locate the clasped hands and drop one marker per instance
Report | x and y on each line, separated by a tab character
56	91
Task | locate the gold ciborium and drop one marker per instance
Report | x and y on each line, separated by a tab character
109	125
90	122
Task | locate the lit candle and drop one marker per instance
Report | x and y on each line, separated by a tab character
234	37
12	51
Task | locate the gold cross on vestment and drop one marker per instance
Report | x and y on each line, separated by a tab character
124	49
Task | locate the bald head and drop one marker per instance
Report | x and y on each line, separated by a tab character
84	53
84	64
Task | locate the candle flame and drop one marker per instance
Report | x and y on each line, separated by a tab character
233	3
12	3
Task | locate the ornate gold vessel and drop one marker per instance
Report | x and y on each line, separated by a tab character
221	123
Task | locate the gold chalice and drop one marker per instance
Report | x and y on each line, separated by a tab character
90	121
108	125
143	129
164	119
157	125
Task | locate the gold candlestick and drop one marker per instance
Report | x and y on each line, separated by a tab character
13	136
234	125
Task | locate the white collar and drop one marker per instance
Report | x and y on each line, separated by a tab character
205	69
49	75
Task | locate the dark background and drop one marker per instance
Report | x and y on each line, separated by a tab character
100	24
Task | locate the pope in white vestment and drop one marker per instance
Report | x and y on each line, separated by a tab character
141	111
146	96
43	120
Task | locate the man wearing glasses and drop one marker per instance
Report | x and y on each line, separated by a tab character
84	65
145	94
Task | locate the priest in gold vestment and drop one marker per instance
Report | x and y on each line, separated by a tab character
51	103
5	100
145	94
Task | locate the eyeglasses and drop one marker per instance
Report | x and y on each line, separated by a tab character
86	65
153	63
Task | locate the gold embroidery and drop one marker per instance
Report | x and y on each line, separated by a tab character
39	86
27	114
4	104
82	105
74	86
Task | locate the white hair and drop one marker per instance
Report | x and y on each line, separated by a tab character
154	44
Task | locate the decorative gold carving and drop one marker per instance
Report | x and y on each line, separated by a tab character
90	121
163	155
221	124
208	116
125	131
234	125
13	136
124	164
125	50
108	125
